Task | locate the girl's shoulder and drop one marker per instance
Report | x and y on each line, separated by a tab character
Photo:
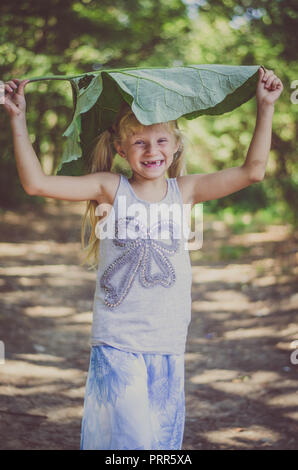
110	182
185	186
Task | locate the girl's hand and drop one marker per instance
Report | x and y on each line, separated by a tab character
269	87
14	103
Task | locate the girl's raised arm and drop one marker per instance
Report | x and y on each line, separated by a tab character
205	187
32	177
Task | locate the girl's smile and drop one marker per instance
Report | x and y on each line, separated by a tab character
153	163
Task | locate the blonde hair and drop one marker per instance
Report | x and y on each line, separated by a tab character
102	158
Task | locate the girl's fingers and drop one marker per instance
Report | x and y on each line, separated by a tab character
274	83
20	90
12	84
261	74
279	85
267	74
269	81
8	88
14	96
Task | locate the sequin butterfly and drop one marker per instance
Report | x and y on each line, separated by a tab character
137	259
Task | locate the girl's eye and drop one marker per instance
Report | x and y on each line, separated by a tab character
142	142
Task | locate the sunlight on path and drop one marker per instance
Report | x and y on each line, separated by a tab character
241	388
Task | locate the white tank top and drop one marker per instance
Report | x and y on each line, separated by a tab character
142	300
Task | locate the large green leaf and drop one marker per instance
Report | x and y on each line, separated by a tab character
154	94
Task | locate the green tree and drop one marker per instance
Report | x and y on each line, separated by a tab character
250	32
72	37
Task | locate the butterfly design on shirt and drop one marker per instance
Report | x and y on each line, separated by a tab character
139	253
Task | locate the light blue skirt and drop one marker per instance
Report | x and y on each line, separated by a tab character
133	401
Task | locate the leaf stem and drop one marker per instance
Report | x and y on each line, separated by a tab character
95	72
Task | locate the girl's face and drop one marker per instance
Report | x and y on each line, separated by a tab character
150	150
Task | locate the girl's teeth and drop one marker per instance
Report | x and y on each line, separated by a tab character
157	162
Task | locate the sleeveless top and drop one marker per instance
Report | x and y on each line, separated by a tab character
142	299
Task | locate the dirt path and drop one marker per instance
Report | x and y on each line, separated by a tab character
241	386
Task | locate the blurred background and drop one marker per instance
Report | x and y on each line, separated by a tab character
241	385
71	37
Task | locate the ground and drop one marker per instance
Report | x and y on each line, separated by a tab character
240	361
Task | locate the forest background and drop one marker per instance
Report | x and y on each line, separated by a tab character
71	37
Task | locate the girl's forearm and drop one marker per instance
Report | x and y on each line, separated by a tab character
28	165
258	152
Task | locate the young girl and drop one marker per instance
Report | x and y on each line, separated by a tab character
134	395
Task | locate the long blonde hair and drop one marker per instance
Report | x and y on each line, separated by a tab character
102	159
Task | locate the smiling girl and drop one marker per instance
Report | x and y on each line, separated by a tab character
134	395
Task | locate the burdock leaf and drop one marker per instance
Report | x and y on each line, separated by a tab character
154	94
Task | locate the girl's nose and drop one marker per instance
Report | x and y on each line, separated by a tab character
151	150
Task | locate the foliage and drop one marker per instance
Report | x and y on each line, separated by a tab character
72	37
66	37
250	32
154	94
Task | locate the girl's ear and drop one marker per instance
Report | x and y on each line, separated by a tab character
119	149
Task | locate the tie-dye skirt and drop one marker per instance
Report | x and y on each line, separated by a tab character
133	401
